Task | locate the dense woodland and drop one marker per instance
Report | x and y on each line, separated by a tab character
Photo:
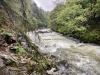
77	18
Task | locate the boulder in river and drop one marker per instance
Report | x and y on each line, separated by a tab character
44	31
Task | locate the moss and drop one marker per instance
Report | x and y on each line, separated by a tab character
30	69
6	33
20	50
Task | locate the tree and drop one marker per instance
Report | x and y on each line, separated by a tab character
54	14
76	18
40	15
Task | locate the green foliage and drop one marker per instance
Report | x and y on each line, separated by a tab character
20	50
53	16
78	18
6	33
91	36
40	15
69	18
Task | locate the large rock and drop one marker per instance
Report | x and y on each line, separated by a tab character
44	31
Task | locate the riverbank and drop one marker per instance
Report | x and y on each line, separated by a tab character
18	56
91	36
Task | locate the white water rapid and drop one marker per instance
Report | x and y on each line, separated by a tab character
82	59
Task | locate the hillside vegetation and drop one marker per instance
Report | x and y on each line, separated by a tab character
18	55
77	18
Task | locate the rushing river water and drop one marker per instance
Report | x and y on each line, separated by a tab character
81	58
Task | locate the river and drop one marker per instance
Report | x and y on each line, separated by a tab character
81	58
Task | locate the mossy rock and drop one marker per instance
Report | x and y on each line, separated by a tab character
20	49
6	33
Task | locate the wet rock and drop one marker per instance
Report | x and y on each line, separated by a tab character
80	45
46	46
51	71
63	63
14	49
53	56
24	44
23	61
66	65
44	31
1	63
54	72
21	38
23	71
8	57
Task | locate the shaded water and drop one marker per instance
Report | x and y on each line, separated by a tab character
81	59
